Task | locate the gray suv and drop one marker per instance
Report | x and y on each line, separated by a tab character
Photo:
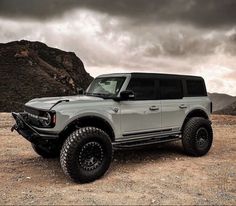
117	111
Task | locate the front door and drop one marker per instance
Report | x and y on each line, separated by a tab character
143	114
140	116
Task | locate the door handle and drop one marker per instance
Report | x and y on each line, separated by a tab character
153	108
182	106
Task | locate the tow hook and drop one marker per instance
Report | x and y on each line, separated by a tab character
14	127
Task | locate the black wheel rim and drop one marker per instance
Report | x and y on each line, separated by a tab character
202	138
91	156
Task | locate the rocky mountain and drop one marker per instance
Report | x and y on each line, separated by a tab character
228	110
221	101
32	69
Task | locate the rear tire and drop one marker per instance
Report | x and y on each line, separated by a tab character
86	154
47	152
197	136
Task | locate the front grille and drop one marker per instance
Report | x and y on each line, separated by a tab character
33	115
31	110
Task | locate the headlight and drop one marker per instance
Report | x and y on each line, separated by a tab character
46	120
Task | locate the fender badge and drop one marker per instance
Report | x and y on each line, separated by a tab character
115	109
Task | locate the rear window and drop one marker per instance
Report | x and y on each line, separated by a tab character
196	88
144	89
171	89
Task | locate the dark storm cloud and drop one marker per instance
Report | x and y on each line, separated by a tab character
205	13
172	36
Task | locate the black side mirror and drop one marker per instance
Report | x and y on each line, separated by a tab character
81	91
127	95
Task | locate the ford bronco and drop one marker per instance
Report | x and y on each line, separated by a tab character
117	111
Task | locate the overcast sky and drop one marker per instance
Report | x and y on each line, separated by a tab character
171	36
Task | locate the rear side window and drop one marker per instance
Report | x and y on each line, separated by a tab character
171	89
144	89
196	88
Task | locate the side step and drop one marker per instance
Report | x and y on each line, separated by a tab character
144	142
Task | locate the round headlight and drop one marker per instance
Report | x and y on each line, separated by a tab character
46	120
49	119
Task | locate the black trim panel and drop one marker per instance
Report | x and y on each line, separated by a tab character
146	141
148	132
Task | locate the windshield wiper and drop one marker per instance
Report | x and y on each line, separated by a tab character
91	94
87	93
102	95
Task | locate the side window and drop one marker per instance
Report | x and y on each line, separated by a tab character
144	89
171	89
196	88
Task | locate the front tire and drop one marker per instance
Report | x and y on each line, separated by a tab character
86	154
197	136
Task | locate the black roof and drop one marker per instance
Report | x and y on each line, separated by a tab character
163	75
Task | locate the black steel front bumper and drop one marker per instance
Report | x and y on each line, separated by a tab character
28	132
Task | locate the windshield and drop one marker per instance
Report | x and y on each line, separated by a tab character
105	87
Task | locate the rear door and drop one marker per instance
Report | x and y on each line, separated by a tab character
172	103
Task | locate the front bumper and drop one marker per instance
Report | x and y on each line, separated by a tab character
28	132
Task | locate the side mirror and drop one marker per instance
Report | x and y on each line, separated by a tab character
127	95
81	91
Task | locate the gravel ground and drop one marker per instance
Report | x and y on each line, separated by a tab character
160	174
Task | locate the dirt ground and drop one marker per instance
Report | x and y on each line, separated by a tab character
160	174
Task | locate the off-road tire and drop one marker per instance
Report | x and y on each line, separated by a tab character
76	164
47	152
197	136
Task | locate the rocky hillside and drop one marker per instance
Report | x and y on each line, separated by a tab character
221	100
32	69
223	103
228	110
